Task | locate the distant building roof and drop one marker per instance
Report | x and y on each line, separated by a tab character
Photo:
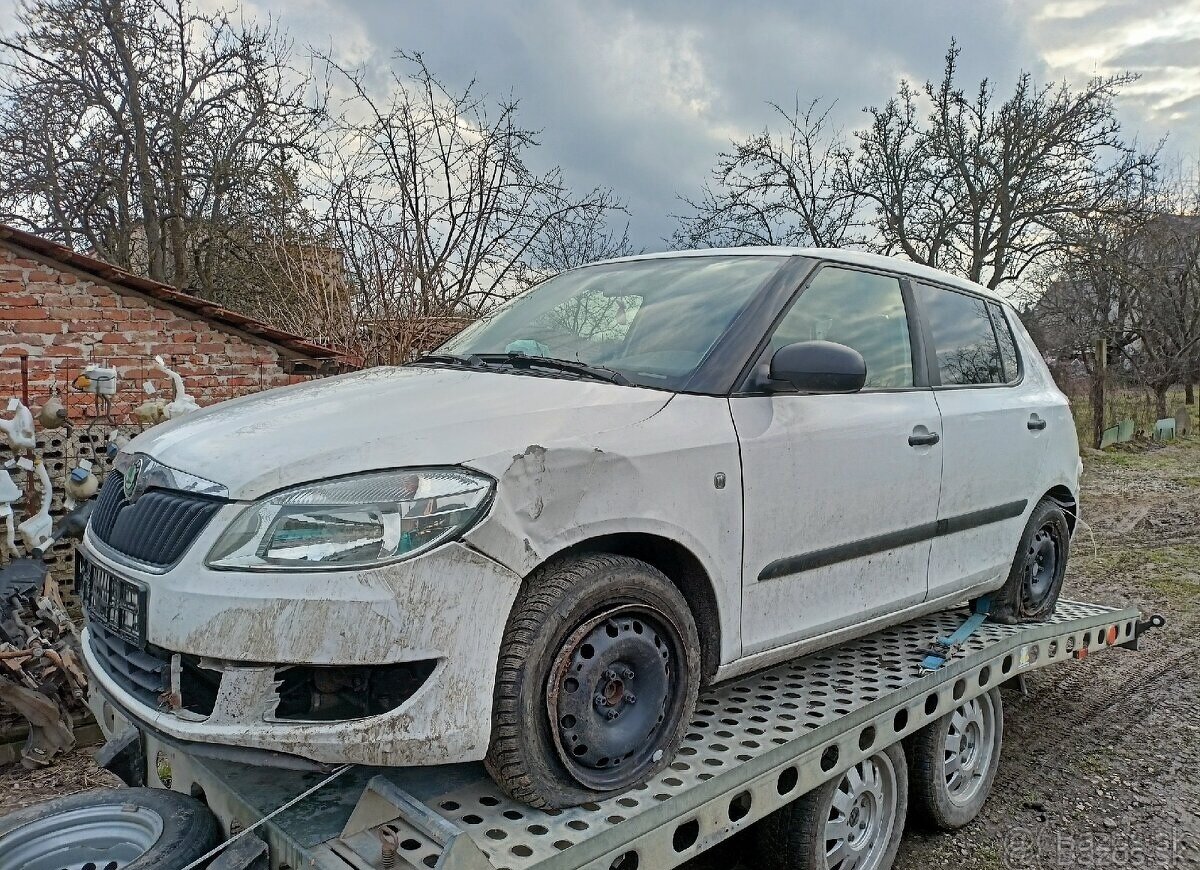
293	345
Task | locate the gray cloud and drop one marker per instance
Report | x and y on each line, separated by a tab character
641	97
1158	54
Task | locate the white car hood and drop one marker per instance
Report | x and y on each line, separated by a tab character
385	418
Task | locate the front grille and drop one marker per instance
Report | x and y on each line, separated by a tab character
143	673
157	528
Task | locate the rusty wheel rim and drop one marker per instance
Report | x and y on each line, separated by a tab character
613	695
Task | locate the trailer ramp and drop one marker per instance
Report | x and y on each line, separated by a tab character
755	744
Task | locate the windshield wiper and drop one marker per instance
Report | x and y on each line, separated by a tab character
450	359
588	370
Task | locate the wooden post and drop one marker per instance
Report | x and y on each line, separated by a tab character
1099	377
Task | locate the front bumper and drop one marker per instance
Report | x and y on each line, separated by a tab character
449	605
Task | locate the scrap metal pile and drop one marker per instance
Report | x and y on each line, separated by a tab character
42	676
41	671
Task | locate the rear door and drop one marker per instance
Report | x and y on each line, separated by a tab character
992	439
839	504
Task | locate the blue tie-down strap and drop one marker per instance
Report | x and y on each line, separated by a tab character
942	648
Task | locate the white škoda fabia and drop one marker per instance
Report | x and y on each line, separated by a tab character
533	546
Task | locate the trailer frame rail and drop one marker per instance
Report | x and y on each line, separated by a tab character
755	744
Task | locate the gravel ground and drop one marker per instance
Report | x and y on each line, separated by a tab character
1101	762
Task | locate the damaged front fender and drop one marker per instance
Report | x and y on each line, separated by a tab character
675	476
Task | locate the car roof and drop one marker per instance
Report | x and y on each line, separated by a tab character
833	255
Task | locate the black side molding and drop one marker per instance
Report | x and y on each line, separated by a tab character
789	565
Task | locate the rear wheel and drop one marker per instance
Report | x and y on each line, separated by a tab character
851	823
1030	594
954	761
599	671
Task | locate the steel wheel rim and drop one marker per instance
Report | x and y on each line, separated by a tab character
1041	566
610	709
969	749
862	816
102	837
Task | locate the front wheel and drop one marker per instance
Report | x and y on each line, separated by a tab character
851	823
1030	594
598	676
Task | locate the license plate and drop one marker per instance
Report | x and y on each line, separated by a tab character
114	602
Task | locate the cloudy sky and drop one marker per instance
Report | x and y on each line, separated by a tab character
640	96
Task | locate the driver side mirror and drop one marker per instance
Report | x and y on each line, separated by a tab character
818	367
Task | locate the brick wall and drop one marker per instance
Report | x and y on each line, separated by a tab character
63	320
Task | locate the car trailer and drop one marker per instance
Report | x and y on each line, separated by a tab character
755	745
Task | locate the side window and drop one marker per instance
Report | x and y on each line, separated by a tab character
963	338
1008	346
857	309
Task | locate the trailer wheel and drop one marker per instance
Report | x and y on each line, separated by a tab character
598	676
1030	594
855	821
954	761
108	829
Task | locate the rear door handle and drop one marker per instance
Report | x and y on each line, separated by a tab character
1036	423
926	440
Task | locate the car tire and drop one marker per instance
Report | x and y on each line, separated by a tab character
1030	594
798	837
131	828
953	763
598	676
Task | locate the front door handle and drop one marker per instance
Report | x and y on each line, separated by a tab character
1036	423
927	439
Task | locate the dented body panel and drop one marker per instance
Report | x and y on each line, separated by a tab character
655	477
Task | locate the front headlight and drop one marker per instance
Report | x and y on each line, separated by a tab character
354	522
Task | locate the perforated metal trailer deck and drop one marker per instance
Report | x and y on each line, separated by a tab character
754	745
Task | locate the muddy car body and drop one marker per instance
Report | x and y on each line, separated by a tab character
736	467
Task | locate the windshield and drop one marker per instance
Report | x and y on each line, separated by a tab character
652	321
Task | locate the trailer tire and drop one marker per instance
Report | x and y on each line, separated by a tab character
797	836
133	828
597	680
939	800
1030	594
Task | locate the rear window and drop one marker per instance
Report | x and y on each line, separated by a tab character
968	352
1008	346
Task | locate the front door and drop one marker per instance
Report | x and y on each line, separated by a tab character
840	491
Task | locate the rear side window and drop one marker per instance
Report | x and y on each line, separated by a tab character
1008	346
860	310
963	338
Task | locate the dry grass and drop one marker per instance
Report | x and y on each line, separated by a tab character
73	773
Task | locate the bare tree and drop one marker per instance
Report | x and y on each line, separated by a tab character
987	188
580	237
775	188
1088	312
1128	286
437	211
1168	303
146	131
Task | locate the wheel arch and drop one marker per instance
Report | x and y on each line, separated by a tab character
682	567
1064	498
